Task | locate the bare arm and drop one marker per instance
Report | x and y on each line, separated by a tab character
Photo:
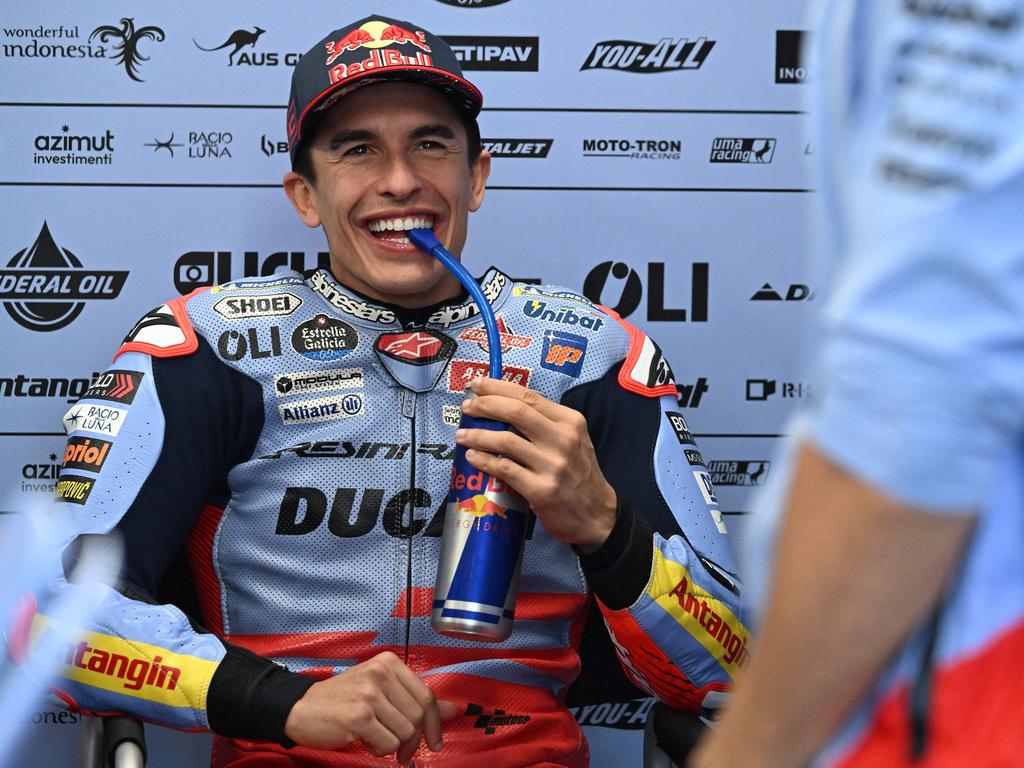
847	552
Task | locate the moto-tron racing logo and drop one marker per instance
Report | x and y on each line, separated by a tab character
44	287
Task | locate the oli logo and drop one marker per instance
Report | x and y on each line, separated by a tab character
45	288
596	288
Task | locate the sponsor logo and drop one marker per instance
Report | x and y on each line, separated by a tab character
106	420
209	144
257	285
564	353
667	55
86	453
964	12
57	43
707	489
322	409
35	472
271	147
492	721
136	673
416	347
739	472
694	458
451	414
66	148
349	305
472	3
634	149
734	150
762	389
61	717
299	383
168	144
563	315
789	67
115	385
689	395
272	305
678	423
496	54
22	386
127	50
45	288
623	715
517	147
632	289
324	338
235	345
337	449
509	340
377	37
651	369
73	488
244	38
795	292
728	633
198	269
158	327
526	290
457	313
462	372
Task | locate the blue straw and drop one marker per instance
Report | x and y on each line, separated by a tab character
425	240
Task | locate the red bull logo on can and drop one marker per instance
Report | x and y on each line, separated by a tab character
478	481
376	35
481	506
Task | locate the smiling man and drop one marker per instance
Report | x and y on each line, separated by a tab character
283	446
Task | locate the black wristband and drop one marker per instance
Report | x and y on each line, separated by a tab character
618	572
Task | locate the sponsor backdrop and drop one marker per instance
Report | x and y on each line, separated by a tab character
648	153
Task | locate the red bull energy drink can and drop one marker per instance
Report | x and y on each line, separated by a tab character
482	543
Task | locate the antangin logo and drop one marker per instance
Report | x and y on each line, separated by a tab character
490	722
753	151
725	630
135	672
667	55
44	287
22	386
65	148
127	50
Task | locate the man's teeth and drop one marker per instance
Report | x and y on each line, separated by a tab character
401	225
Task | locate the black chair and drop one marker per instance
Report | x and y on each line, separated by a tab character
113	742
670	736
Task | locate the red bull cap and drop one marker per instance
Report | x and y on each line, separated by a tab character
367	51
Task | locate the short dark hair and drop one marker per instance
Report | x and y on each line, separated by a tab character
303	162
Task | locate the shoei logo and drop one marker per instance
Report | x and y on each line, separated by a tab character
45	288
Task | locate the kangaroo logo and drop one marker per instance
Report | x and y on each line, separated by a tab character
128	49
239	38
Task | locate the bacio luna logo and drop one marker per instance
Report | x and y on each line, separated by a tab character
45	287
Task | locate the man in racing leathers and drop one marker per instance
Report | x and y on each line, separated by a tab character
284	444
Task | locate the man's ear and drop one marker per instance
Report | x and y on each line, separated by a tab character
302	193
478	174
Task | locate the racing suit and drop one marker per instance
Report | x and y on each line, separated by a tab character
292	441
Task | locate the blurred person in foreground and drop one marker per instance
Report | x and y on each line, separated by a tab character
892	628
284	445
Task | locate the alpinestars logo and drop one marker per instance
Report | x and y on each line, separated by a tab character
753	151
667	55
127	50
491	722
44	287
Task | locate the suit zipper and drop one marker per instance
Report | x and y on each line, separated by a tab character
409	411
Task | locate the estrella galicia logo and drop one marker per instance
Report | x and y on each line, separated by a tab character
496	54
324	338
753	151
667	55
788	64
44	287
127	51
238	39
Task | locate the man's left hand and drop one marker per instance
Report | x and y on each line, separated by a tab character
550	463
